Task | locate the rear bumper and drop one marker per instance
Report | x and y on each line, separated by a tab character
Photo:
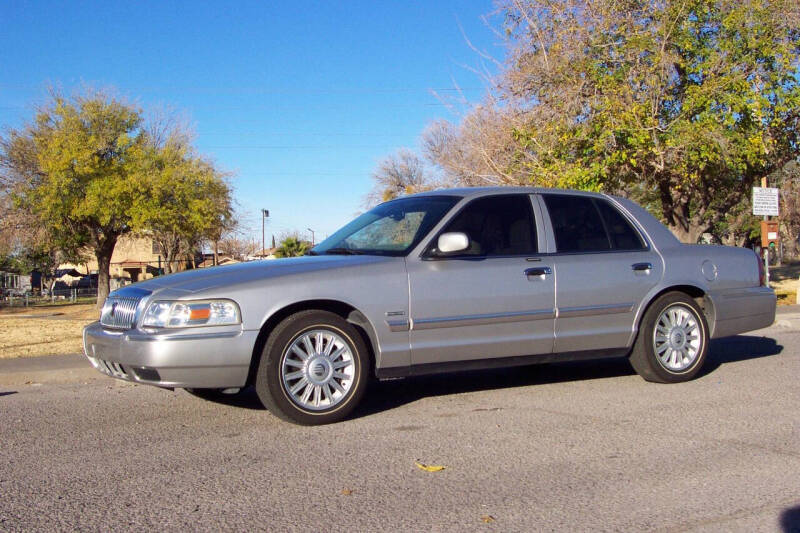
219	358
741	310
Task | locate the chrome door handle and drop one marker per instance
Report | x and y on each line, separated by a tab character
539	272
639	267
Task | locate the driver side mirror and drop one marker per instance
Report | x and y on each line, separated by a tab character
454	241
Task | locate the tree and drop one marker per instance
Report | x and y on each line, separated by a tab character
788	179
682	104
185	200
238	248
70	172
398	174
89	169
292	246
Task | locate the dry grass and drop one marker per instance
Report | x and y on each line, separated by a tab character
47	330
784	280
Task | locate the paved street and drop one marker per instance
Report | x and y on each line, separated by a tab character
558	447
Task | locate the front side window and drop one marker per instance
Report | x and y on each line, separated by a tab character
497	226
585	224
392	228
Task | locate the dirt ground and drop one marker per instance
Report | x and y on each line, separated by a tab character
47	330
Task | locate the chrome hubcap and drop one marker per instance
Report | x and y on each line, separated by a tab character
317	369
677	338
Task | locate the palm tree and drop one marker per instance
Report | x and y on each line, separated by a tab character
292	247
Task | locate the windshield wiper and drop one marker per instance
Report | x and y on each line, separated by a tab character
343	251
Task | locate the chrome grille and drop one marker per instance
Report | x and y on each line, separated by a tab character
119	313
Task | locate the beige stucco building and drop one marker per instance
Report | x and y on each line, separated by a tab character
134	258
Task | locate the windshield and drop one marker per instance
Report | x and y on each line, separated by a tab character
392	228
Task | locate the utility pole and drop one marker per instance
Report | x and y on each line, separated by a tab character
312	235
264	215
765	250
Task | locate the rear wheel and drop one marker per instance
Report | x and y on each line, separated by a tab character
313	369
673	340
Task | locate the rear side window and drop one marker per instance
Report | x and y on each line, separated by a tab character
497	225
620	231
584	224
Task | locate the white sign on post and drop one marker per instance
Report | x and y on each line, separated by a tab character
765	201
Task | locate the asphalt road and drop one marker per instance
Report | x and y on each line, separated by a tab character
560	447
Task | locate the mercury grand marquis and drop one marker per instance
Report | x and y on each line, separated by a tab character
436	282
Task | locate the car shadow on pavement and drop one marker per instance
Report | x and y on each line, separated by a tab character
790	520
388	395
738	348
246	399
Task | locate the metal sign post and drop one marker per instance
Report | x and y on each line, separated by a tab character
765	202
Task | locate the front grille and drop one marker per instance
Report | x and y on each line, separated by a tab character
119	313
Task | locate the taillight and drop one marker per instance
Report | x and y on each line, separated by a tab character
762	274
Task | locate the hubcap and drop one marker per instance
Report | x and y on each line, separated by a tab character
677	339
317	369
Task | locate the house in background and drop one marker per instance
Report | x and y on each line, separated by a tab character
134	259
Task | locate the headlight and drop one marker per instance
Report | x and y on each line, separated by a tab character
182	314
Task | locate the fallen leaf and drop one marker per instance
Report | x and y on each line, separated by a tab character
346	492
429	468
487	518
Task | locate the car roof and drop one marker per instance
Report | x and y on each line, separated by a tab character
467	192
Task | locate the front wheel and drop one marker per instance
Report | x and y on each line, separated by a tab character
313	369
673	340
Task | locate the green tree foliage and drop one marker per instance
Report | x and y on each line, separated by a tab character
88	170
683	104
71	171
187	200
292	246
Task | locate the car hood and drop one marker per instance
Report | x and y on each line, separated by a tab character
191	281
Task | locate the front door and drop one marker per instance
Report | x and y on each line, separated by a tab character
495	299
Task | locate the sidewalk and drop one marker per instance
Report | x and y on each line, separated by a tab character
787	316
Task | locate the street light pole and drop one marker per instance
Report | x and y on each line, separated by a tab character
312	235
264	215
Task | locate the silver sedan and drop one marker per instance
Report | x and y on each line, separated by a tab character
437	282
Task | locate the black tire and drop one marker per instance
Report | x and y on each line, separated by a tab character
270	385
643	357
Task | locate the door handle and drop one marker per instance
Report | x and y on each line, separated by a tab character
641	267
539	272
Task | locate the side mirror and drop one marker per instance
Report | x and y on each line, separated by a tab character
453	241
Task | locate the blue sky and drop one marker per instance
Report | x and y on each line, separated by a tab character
299	99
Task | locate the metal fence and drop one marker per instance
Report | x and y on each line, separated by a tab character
13	298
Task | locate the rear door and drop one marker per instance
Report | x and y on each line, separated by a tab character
493	300
603	267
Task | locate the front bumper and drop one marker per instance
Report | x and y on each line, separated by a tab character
190	358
